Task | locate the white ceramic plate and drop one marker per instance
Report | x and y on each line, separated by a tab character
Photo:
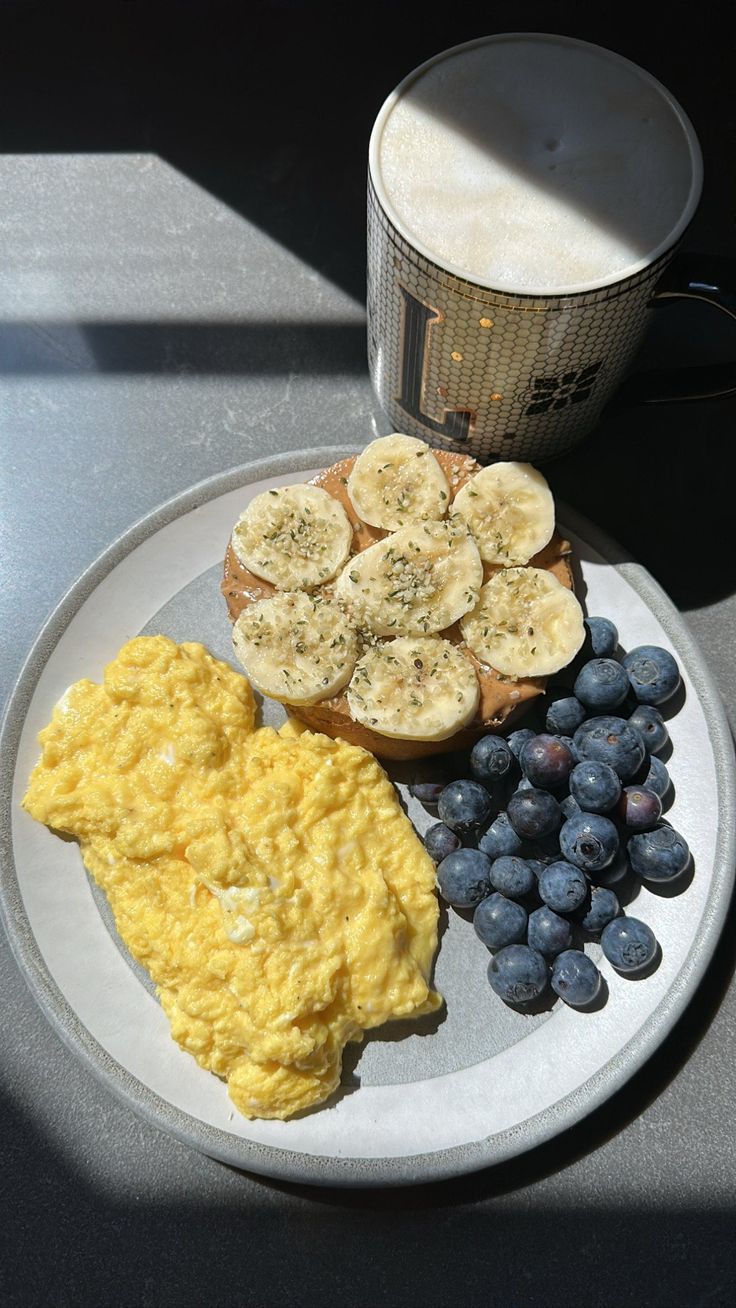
418	1103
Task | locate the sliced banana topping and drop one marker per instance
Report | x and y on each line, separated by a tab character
397	480
510	511
414	688
415	582
526	623
295	537
296	648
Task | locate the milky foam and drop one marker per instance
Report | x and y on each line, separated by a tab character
534	165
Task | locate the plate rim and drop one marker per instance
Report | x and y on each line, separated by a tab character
333	1170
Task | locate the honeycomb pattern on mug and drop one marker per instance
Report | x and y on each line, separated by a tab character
501	376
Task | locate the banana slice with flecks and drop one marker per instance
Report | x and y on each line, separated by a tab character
415	582
510	511
397	480
526	623
295	537
414	688
295	647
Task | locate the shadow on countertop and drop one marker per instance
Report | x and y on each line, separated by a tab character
269	107
271	111
482	1239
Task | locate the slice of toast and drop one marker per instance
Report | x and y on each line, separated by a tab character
503	700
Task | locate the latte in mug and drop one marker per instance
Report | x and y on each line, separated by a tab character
520	185
535	166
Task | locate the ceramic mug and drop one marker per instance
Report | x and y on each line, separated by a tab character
526	198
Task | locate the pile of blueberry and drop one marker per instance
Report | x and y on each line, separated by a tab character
553	818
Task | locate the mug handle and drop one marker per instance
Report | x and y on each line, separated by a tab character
689	277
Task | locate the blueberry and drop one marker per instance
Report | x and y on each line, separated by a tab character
499	921
564	714
649	721
546	761
590	841
600	908
640	809
545	850
512	876
491	759
611	740
537	866
601	685
500	838
523	784
569	806
628	944
427	792
653	673
657	778
603	637
575	978
517	740
594	786
548	933
533	813
439	841
518	974
569	741
562	887
614	872
659	855
464	877
464	806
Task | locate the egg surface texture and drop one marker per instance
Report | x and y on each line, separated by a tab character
268	881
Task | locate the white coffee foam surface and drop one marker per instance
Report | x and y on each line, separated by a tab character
532	165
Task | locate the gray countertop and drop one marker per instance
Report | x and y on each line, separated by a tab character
167	312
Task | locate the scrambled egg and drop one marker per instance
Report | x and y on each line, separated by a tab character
269	881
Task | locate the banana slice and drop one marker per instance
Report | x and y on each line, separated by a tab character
417	581
397	480
510	511
526	624
295	537
414	688
296	648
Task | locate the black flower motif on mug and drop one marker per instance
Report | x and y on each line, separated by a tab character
557	392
